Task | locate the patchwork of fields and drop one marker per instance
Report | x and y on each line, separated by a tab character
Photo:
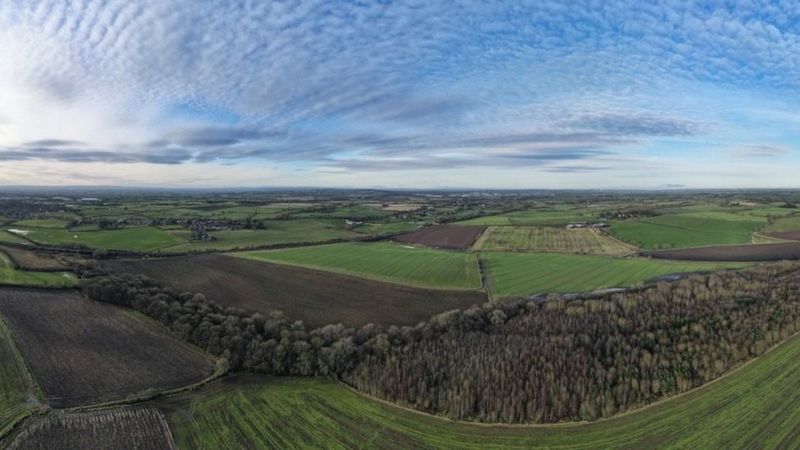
521	274
11	276
316	297
551	239
82	352
536	218
405	264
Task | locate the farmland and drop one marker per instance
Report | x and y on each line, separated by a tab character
459	237
405	264
132	239
688	230
513	274
760	252
551	239
753	407
29	259
542	217
128	427
81	352
16	386
11	276
316	297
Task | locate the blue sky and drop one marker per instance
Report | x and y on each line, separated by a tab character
516	94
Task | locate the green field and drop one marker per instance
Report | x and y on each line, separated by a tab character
536	218
11	276
417	266
11	238
276	232
132	239
552	239
520	274
784	224
40	223
15	383
688	230
753	407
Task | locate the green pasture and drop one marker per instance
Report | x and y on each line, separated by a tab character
11	276
688	230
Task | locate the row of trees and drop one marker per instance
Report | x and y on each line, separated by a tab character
521	361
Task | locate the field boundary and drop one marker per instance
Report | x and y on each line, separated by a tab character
32	389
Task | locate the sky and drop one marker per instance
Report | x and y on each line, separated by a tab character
400	94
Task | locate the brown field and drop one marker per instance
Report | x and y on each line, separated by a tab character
82	352
136	427
315	297
459	237
793	235
32	260
759	252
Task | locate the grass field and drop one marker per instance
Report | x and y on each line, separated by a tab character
783	224
11	276
276	232
753	407
535	218
551	239
16	387
11	238
416	266
132	239
512	274
688	230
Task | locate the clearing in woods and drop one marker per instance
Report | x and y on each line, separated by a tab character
404	264
753	407
551	239
82	352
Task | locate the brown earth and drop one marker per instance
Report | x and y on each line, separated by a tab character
459	237
313	296
33	260
793	235
129	427
82	352
734	253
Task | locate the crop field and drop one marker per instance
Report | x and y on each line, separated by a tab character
760	252
29	259
11	276
405	264
753	407
16	386
82	352
542	217
276	232
688	230
459	237
551	239
520	274
316	297
131	239
11	238
128	427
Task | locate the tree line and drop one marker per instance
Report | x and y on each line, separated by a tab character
519	361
